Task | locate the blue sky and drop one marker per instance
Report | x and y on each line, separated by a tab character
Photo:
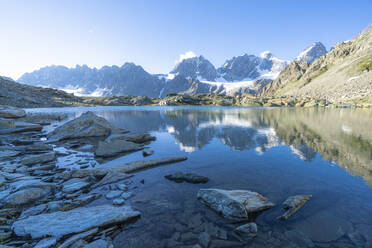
153	33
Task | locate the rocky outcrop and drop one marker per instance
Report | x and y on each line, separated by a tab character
60	224
236	205
114	147
87	125
316	50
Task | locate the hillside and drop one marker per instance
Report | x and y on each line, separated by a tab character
343	75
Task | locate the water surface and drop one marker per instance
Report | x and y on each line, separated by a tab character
277	152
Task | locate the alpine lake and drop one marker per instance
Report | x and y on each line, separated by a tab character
277	152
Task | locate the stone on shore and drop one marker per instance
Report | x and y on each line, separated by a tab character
6	123
46	243
26	196
39	158
125	168
180	177
142	138
11	112
87	125
112	177
235	205
60	224
114	147
293	204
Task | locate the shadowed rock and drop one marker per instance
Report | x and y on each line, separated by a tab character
180	177
235	205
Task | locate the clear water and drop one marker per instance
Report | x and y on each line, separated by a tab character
277	152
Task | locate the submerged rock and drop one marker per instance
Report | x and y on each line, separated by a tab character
60	224
87	125
293	204
114	147
180	177
234	205
248	230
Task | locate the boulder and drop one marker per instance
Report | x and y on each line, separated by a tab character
112	177
293	204
46	243
114	147
11	112
235	205
87	125
39	158
60	224
180	177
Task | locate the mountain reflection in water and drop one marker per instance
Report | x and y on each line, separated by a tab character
340	135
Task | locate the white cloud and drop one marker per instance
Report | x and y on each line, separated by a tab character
186	55
91	31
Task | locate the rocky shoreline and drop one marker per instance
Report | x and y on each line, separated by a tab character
44	204
54	193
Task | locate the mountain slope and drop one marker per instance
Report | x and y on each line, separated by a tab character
129	79
342	75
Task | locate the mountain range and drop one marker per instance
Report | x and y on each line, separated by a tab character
238	75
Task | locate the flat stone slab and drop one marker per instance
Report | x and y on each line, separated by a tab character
75	184
39	158
11	112
234	205
60	224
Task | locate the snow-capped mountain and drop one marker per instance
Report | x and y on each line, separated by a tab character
191	75
196	67
316	50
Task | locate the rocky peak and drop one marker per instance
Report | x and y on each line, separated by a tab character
196	67
316	50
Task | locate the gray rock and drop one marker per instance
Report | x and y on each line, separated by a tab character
46	243
235	205
7	154
11	112
112	148
127	195
39	158
186	177
112	177
70	242
113	194
31	183
6	123
75	184
142	138
34	210
124	168
26	196
87	125
293	204
59	224
247	230
118	201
